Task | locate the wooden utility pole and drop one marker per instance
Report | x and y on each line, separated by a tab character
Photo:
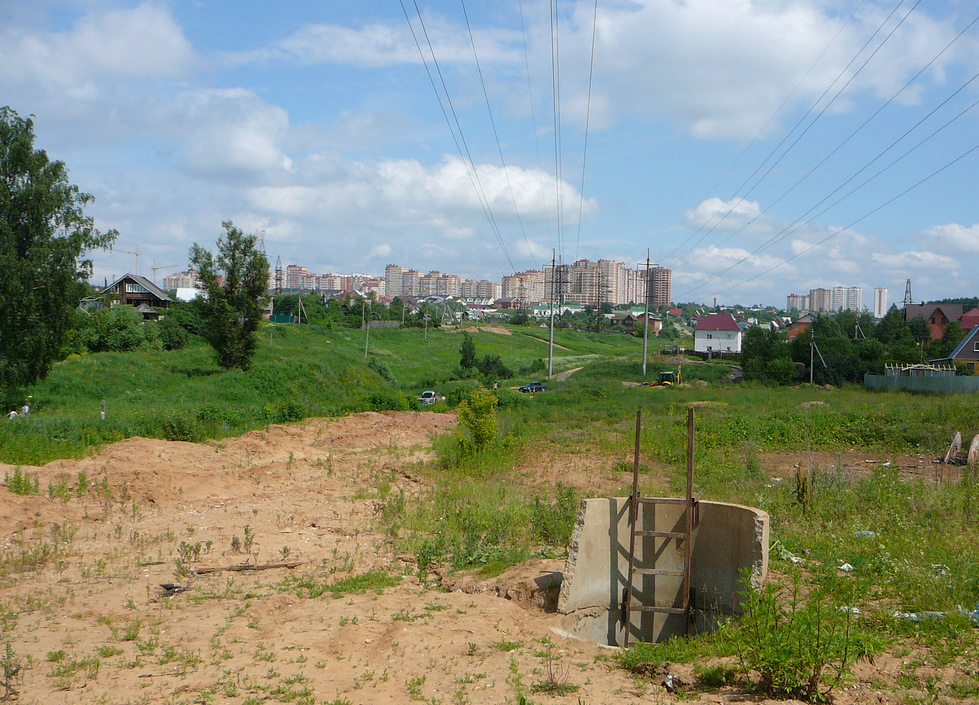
645	328
550	342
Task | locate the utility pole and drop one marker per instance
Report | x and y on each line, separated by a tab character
645	328
550	343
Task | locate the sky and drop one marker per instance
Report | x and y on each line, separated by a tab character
758	148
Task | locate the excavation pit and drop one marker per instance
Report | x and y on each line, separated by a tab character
728	540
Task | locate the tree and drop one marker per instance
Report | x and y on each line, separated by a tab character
44	236
467	352
235	283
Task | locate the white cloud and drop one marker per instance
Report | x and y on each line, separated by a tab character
101	48
722	68
725	215
951	237
383	250
400	192
230	133
382	45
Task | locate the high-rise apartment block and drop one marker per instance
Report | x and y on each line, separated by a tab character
181	280
527	286
660	287
606	281
880	302
797	302
839	298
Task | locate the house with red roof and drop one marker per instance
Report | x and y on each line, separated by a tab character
717	332
937	316
969	320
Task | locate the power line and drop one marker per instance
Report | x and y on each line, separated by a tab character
866	215
803	118
470	165
797	224
496	134
851	136
771	119
584	151
533	110
556	108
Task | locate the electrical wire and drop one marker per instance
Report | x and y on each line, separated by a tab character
798	224
803	119
533	110
496	134
861	218
556	107
765	127
584	151
470	165
850	137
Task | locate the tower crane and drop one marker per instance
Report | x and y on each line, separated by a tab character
163	266
128	252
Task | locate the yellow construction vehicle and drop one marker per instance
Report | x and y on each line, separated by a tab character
667	378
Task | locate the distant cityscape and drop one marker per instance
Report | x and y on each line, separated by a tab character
839	298
584	282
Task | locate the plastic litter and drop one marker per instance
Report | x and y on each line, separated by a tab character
851	610
865	534
940	568
921	616
783	553
846	568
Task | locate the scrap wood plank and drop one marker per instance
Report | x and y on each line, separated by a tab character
954	448
246	566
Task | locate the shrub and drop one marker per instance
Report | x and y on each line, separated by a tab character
553	522
477	417
172	335
491	366
388	401
380	368
179	427
20	482
793	644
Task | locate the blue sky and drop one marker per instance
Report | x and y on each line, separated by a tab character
712	126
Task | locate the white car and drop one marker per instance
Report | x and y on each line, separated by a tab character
428	398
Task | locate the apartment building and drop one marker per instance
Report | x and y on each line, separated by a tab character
606	281
880	302
526	286
798	302
181	280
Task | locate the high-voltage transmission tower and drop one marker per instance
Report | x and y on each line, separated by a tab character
279	276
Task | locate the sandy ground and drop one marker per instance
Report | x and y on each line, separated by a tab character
87	618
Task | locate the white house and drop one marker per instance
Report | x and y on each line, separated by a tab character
717	332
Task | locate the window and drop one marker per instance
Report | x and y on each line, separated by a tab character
134	288
975	347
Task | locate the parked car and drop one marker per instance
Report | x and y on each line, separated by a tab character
429	397
532	387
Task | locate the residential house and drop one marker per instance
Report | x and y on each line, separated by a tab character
140	292
967	352
969	320
717	332
937	316
798	326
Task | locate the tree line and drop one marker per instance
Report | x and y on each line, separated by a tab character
847	346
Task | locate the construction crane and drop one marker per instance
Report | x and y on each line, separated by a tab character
128	252
156	268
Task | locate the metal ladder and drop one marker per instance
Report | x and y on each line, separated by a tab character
691	521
